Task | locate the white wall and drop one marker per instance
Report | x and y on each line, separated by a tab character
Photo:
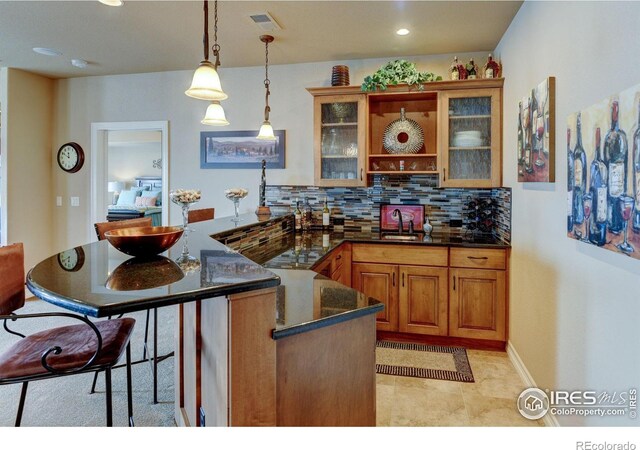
575	308
28	157
160	96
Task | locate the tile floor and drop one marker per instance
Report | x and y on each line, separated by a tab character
489	401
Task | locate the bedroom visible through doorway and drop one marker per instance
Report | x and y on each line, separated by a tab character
129	172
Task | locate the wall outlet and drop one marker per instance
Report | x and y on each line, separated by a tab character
75	201
59	200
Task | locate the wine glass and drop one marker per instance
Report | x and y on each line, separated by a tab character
235	195
184	198
626	208
587	203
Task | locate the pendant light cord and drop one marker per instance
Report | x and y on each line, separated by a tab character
266	82
216	47
205	37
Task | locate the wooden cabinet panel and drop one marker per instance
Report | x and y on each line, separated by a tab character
478	258
423	307
380	282
477	304
401	254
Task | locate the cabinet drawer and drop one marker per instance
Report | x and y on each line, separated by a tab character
479	258
416	255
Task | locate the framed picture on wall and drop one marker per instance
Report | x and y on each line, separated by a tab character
603	173
241	150
537	134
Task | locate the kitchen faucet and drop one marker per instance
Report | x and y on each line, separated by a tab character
398	214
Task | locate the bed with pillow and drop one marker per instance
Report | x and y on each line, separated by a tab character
144	199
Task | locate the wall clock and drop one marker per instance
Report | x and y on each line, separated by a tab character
70	157
71	260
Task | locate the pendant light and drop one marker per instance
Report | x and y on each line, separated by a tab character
206	82
215	115
266	130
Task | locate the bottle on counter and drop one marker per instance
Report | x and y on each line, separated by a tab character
615	157
326	215
297	215
308	216
597	225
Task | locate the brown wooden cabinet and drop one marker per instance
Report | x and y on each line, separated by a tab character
339	132
461	122
477	302
423	306
380	282
470	127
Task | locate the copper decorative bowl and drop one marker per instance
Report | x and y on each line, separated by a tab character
144	273
144	241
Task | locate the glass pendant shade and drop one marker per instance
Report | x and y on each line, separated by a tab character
206	83
266	132
215	115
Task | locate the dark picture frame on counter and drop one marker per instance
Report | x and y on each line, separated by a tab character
537	134
241	150
603	173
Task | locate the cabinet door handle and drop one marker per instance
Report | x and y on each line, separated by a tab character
454	282
444	174
393	279
338	257
477	257
361	173
402	279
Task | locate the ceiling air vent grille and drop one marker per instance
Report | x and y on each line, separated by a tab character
265	21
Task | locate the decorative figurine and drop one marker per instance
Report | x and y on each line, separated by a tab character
263	209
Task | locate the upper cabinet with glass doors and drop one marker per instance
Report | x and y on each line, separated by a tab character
339	140
470	138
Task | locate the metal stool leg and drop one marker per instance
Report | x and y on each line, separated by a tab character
155	355
129	389
146	335
107	377
23	395
93	385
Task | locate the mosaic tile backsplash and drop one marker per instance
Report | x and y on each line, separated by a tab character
358	209
252	236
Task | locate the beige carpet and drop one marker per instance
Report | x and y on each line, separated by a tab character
423	361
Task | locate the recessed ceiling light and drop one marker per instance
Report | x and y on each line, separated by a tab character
47	51
402	32
80	63
112	2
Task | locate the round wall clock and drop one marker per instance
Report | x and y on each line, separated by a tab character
70	157
71	260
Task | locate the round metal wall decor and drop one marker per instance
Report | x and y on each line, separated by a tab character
403	136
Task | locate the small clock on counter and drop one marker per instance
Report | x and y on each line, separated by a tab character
71	260
70	157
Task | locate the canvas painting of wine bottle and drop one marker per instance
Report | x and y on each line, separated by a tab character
536	134
603	174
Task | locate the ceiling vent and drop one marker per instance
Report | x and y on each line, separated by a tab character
265	21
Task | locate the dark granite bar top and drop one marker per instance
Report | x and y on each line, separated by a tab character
105	282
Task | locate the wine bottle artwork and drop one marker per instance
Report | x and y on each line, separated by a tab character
569	182
615	157
537	119
598	192
636	174
579	179
604	197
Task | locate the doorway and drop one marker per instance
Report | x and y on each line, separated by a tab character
129	156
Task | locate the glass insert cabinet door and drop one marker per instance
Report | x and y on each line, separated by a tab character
470	138
339	134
